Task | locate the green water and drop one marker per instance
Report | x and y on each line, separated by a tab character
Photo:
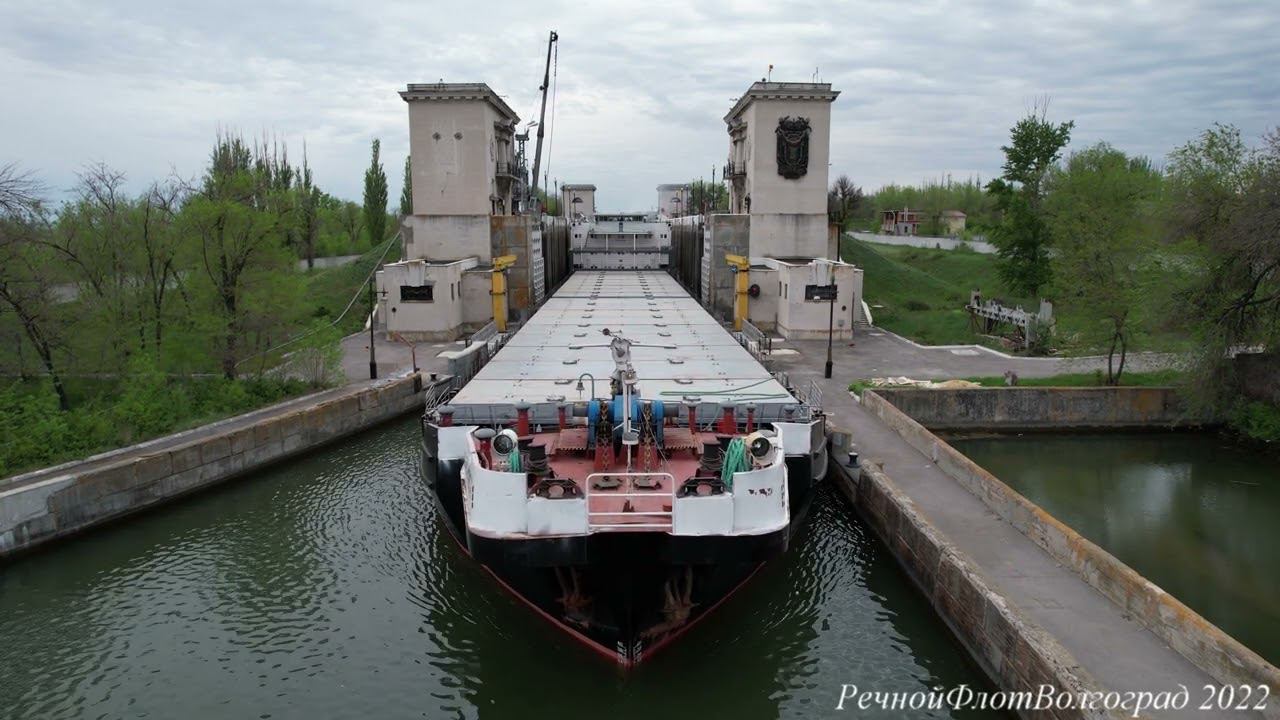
1198	516
326	588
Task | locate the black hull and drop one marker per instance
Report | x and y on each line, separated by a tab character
614	591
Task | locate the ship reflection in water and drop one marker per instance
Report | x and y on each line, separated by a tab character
328	588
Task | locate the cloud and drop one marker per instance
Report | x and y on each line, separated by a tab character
928	89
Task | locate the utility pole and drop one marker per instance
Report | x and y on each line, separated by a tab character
373	358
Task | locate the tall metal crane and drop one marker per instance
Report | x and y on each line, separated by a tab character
542	124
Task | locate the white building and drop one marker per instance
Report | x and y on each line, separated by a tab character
578	203
777	171
779	150
673	200
467	180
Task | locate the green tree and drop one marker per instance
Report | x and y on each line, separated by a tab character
1098	210
843	200
375	197
707	197
26	261
235	227
406	190
931	198
307	206
1022	237
157	254
350	220
550	204
1224	208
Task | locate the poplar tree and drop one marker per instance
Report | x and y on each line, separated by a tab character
406	190
1022	237
375	197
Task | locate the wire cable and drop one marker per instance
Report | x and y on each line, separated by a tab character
355	296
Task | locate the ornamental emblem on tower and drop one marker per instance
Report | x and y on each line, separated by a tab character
793	147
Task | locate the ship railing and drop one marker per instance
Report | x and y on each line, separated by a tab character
438	394
480	347
755	340
809	394
605	521
813	395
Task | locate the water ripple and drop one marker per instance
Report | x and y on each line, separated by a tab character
328	587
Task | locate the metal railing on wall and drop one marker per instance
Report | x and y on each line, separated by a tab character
481	346
755	340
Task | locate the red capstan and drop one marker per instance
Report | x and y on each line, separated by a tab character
728	425
522	419
485	437
751	417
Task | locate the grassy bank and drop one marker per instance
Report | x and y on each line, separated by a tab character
922	292
106	415
329	290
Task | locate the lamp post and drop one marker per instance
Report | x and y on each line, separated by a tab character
373	358
831	321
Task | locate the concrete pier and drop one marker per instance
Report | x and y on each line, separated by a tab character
1025	615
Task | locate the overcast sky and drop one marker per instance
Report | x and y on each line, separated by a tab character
927	89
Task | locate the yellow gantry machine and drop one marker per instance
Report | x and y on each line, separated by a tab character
499	289
742	279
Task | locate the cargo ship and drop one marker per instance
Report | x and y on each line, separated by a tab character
622	463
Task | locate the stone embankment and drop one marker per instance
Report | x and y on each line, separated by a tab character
1044	408
1023	625
44	505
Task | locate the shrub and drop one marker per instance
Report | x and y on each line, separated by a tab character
916	305
148	403
1256	420
318	359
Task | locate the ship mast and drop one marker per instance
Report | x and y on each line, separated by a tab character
542	118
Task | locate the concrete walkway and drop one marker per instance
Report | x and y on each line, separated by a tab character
880	353
393	356
1118	652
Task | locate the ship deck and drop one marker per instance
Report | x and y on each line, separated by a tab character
678	349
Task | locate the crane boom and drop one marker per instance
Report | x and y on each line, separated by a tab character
542	118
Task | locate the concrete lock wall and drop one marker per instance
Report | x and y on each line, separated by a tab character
39	507
729	236
514	235
685	259
1043	408
556	253
1204	644
1012	650
926	241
